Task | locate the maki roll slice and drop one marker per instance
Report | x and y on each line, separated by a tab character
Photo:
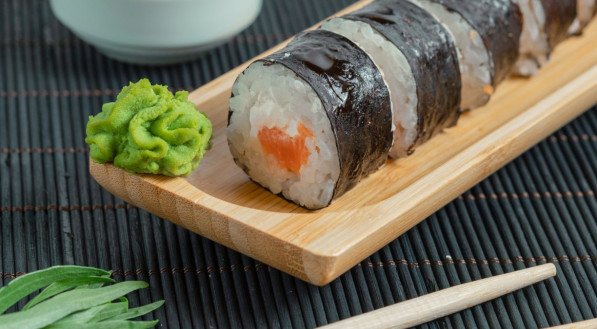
311	120
546	24
419	62
473	57
394	67
559	16
499	24
585	11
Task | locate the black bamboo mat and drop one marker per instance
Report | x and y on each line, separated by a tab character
540	208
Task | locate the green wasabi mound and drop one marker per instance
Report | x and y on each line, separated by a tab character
150	130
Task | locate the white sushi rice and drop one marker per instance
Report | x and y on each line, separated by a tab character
274	96
473	58
585	10
396	72
534	46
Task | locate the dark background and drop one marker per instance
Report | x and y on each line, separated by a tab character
540	208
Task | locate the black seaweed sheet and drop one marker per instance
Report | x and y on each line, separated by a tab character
559	15
354	95
431	54
499	23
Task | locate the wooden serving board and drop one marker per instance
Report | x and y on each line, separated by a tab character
219	202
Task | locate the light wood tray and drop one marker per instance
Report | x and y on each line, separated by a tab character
219	202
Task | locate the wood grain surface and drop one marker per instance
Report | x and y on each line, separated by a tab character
219	202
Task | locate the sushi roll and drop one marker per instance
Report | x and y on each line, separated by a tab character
394	68
419	60
546	24
585	10
473	57
311	120
499	24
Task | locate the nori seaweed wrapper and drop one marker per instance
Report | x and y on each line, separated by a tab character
499	23
431	54
354	96
559	15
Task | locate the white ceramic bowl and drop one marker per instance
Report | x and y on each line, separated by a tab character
155	31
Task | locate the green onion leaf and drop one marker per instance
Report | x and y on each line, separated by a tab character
59	306
111	311
92	286
139	311
122	324
79	317
29	283
64	285
94	314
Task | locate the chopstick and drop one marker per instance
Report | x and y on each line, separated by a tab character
447	301
589	324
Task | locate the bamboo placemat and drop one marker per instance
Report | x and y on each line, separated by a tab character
540	208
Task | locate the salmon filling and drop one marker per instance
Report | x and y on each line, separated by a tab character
290	152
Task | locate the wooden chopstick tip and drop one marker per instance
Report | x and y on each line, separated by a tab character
548	269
